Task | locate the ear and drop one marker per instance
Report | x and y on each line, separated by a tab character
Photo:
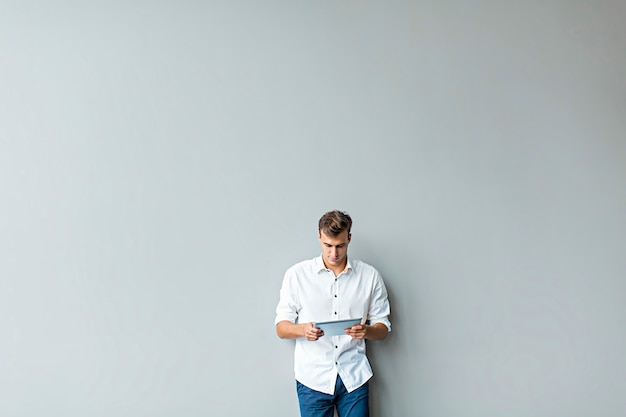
349	237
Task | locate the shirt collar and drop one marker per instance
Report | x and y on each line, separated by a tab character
319	264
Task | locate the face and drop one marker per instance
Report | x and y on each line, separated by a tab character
335	249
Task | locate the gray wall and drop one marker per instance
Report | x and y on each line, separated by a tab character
163	163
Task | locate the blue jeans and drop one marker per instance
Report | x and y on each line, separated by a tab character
349	404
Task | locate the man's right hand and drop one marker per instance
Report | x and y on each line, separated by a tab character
288	330
312	333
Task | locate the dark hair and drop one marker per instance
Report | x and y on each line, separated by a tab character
335	222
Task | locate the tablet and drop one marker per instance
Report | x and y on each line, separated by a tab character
336	328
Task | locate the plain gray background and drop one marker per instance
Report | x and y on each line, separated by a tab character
163	163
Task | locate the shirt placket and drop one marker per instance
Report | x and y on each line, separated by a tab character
335	301
335	304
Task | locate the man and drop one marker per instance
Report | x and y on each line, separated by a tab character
332	371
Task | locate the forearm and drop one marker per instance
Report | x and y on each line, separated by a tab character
377	331
288	330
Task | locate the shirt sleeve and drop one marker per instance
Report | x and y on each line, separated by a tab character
379	309
288	305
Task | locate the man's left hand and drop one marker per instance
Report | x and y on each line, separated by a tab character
377	331
358	331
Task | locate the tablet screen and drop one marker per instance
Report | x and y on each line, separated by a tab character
336	328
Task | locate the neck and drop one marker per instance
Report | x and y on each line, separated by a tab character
336	269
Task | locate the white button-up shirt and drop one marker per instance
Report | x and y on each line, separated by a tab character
312	293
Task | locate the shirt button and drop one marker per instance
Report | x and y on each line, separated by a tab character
336	347
335	295
335	313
